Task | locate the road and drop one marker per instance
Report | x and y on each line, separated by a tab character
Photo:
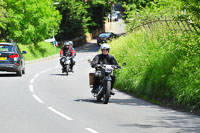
46	101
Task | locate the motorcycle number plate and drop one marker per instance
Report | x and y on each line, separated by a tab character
67	62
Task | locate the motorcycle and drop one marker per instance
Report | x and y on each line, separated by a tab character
66	63
103	91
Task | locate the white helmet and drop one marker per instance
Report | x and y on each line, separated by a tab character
105	46
66	43
71	43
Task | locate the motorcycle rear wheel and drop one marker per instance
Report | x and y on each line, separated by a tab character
106	95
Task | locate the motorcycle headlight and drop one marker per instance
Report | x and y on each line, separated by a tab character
108	70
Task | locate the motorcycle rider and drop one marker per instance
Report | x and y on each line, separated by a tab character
71	45
103	58
67	51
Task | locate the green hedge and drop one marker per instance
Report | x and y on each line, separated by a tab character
161	65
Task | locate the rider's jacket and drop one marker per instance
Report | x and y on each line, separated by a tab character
104	59
67	51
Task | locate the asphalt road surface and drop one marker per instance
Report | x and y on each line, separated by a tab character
45	100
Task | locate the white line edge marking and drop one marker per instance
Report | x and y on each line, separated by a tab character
31	88
88	57
91	130
59	113
36	75
32	80
38	99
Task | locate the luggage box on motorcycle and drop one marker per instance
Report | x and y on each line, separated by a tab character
91	75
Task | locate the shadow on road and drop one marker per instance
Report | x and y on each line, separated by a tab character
8	75
89	47
182	123
88	101
60	74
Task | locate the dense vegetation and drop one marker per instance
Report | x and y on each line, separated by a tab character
162	65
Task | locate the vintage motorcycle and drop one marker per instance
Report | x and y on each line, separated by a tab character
66	60
103	91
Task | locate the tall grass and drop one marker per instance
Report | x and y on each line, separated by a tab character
161	65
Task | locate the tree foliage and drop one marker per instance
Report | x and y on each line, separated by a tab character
3	20
143	11
74	18
191	11
80	17
31	21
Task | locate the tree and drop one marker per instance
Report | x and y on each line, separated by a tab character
75	19
3	20
32	21
191	10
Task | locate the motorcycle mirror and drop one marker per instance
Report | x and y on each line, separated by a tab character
124	64
89	61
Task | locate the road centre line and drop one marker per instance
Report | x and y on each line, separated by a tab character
91	130
43	71
38	99
31	88
59	113
32	80
36	75
49	69
56	67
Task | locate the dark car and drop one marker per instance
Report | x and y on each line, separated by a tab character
104	37
11	58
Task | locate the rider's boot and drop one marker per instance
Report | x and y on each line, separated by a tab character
112	92
93	89
71	67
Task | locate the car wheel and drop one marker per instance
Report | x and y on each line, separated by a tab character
19	73
23	71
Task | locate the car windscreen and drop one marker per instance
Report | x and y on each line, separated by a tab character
6	48
104	35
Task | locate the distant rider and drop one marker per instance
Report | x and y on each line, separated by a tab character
103	58
67	51
73	49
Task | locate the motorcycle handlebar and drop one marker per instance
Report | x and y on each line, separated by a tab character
103	65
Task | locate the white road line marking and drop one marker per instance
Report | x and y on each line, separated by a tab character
31	88
49	69
81	59
56	67
32	80
59	113
88	57
38	99
36	75
91	130
43	72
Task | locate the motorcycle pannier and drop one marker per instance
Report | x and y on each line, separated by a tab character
91	75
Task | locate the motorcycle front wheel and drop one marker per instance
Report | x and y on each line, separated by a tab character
106	95
67	69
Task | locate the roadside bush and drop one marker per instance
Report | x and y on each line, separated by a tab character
185	79
161	65
42	49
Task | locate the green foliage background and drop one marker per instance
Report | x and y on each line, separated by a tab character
162	65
